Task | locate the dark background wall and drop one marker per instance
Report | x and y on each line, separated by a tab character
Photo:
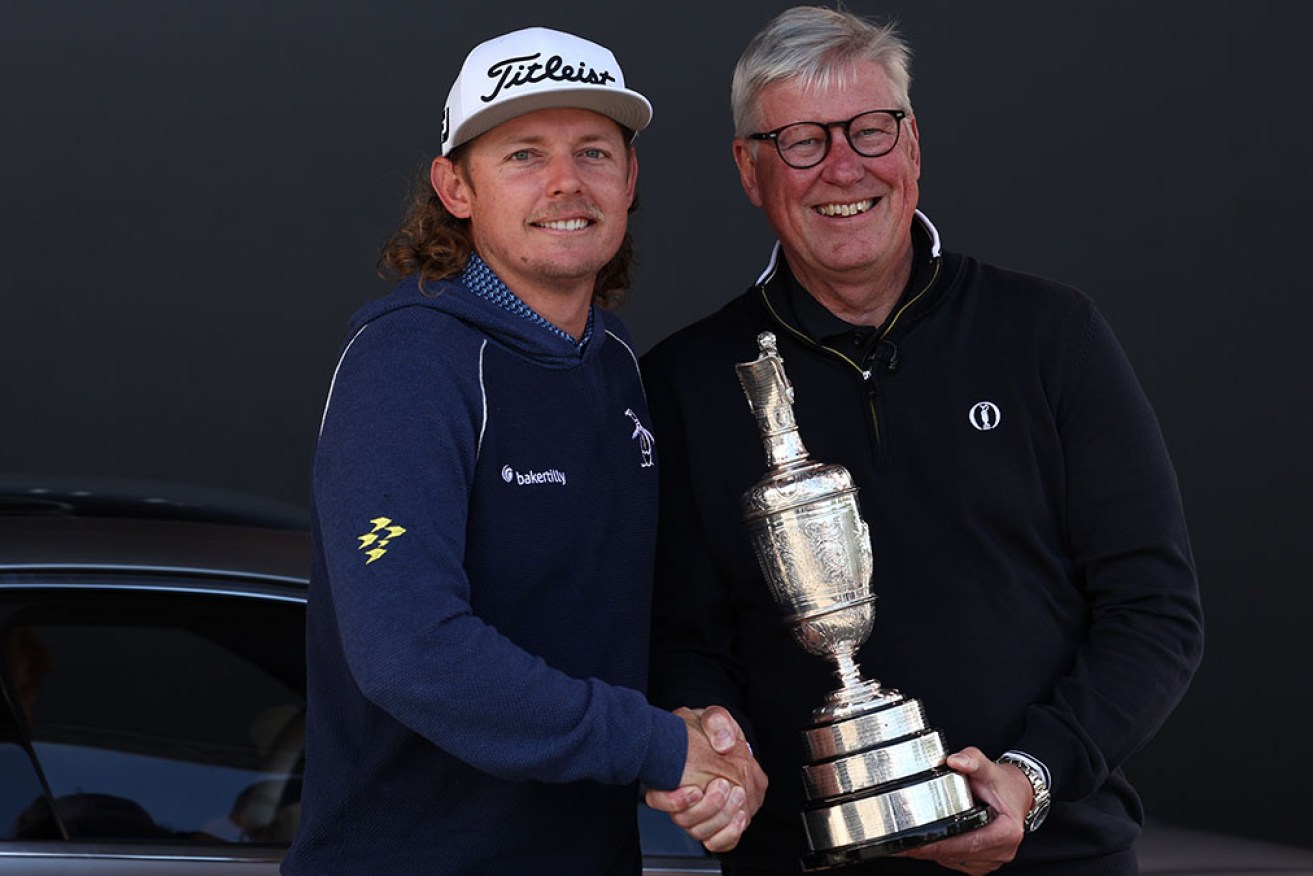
194	195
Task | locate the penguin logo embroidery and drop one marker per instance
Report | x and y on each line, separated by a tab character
985	416
643	437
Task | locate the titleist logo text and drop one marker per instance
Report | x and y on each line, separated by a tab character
528	70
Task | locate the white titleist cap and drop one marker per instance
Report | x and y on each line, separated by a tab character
532	69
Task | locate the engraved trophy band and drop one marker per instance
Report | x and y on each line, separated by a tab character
874	775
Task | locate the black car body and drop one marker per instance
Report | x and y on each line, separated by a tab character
153	673
152	661
153	686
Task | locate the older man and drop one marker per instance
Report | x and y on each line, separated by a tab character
1035	581
485	509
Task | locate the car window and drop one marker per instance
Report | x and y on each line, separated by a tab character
21	795
160	716
662	837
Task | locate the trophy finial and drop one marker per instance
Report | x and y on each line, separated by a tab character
770	397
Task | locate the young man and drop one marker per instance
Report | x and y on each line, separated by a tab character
485	511
1035	583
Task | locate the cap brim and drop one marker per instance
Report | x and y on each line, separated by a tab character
628	108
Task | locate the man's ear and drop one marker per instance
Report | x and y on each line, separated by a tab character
747	164
451	186
633	174
915	132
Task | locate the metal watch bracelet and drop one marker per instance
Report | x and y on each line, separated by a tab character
1039	809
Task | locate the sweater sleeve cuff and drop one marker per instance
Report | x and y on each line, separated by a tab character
1069	765
667	751
1035	764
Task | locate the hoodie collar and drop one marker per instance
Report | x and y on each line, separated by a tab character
483	282
502	324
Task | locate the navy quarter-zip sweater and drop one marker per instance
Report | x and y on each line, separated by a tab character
484	517
1035	584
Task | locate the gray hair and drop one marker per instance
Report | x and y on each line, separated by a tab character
816	46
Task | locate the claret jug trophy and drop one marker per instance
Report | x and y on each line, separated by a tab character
875	776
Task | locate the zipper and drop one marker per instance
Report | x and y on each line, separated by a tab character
866	375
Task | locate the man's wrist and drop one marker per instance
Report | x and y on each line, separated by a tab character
1037	775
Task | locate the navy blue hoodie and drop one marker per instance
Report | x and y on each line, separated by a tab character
484	520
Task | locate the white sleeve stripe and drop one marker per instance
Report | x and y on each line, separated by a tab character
631	356
483	400
332	383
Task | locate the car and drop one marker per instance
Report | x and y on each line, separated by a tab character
153	650
153	669
154	682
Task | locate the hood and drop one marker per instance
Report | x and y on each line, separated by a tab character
505	328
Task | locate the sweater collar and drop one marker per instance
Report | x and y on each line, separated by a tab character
919	220
794	305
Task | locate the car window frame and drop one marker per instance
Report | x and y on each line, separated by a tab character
40	580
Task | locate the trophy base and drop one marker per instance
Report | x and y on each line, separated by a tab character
879	814
979	816
851	702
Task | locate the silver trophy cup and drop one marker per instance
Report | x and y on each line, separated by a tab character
875	774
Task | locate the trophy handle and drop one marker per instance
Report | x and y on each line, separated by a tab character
865	561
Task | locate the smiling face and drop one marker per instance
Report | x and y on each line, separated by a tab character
547	195
845	223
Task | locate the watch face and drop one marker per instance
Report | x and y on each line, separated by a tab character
1036	817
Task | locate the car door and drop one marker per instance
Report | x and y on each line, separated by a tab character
149	728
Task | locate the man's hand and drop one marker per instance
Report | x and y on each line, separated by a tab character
1005	789
722	786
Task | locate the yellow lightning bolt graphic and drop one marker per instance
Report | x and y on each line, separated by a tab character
372	537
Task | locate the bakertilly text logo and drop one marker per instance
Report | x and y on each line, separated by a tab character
556	476
551	476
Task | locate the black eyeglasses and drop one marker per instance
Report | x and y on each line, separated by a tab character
805	144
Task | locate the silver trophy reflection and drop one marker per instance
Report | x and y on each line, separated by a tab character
875	774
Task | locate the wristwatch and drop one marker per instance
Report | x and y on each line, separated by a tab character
1040	808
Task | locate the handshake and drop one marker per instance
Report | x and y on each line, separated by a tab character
722	786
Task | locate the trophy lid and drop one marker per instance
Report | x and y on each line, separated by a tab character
770	396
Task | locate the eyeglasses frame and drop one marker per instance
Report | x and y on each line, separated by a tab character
774	136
